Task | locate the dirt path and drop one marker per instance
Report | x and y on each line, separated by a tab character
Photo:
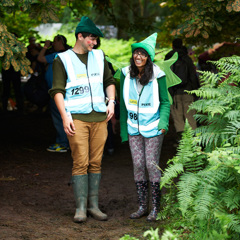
35	199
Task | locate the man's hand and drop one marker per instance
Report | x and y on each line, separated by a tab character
47	44
68	126
110	110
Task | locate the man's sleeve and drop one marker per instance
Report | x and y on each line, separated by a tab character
59	78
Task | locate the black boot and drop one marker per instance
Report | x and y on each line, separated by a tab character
142	191
156	195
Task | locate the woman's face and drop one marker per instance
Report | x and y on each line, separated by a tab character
140	58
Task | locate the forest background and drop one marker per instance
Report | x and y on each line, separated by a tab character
199	23
204	204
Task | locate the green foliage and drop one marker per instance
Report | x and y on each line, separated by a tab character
203	179
152	234
133	18
21	24
12	52
203	22
149	234
128	237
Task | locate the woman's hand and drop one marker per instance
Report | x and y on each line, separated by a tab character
163	131
110	110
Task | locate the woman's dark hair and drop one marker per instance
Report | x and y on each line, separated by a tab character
148	69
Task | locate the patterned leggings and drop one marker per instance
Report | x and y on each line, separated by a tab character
146	153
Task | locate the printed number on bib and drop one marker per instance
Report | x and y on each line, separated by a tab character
80	90
133	116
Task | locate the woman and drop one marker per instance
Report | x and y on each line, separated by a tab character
144	117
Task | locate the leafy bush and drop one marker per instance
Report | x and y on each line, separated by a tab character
203	179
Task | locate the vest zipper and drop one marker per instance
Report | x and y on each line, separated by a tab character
138	108
90	89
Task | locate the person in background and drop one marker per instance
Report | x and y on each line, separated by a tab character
32	54
144	117
80	78
60	45
186	71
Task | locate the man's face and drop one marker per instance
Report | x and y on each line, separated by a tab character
88	43
57	44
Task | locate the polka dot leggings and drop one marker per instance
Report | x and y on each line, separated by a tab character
145	154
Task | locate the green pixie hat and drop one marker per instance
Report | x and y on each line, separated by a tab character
87	25
148	44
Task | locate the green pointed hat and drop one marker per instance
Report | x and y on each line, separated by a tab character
148	44
87	25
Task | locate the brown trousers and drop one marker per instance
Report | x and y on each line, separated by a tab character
179	111
87	146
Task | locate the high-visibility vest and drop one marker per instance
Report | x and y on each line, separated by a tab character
143	108
84	87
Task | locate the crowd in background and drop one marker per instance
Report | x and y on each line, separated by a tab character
33	96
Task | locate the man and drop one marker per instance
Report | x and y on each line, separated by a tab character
59	45
186	71
80	76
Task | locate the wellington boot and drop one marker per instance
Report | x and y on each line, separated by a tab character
156	196
93	186
80	189
142	192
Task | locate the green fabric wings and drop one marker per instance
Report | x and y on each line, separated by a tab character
171	78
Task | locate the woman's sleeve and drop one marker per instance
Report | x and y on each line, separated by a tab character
123	112
164	104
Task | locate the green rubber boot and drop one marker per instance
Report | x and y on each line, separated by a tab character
93	186
80	189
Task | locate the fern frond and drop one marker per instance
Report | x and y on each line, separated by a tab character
170	173
210	106
232	62
235	149
214	175
201	118
210	139
233	131
231	197
234	223
207	78
208	93
187	185
233	59
225	67
232	115
204	200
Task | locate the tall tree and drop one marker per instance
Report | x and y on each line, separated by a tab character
203	22
133	18
18	16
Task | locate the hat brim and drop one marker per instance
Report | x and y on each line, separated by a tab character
146	47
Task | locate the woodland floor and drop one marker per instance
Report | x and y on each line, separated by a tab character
35	199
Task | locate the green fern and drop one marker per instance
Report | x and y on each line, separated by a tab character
231	197
187	185
203	179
